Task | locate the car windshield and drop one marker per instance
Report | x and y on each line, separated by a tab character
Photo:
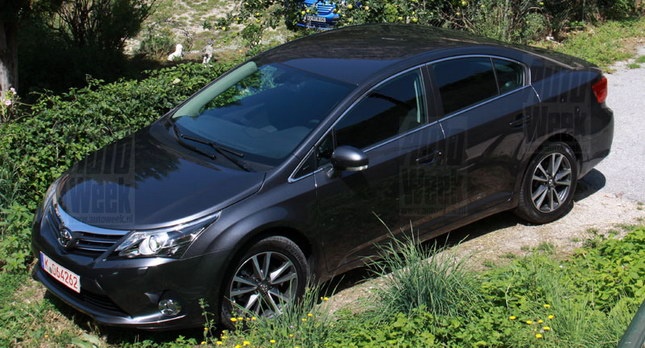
261	112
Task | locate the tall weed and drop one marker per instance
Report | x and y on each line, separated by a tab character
417	275
306	323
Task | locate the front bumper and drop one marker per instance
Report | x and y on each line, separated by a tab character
126	292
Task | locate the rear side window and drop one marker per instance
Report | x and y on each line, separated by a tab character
467	81
510	75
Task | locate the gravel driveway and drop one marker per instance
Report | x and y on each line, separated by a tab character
625	166
610	195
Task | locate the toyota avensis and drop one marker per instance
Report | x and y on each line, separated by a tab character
286	168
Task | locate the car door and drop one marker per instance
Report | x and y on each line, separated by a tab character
356	209
487	106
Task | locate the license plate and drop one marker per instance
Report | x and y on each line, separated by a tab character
310	18
60	273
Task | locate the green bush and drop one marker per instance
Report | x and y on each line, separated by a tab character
516	21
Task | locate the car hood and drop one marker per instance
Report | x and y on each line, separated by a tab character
147	180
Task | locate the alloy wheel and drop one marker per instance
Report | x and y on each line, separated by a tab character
551	182
264	283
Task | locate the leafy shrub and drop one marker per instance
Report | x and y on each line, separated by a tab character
14	244
615	269
516	21
8	188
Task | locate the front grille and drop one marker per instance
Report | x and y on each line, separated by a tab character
100	301
94	242
87	239
324	9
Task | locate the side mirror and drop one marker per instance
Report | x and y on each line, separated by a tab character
349	158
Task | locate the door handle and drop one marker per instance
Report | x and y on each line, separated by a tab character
430	158
520	120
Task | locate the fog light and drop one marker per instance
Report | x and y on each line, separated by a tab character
169	307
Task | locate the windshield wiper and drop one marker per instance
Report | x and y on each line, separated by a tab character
218	148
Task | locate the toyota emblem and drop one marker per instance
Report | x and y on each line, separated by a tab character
65	237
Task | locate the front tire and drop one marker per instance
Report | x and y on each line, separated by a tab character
549	183
272	274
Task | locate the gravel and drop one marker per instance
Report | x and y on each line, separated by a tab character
624	168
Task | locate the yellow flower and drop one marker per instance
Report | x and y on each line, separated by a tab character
290	335
203	343
205	329
324	298
240	318
272	341
540	321
546	328
304	320
551	316
254	318
529	322
310	315
512	317
547	306
219	343
233	320
538	336
246	343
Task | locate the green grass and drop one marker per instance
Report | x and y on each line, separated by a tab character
605	44
416	275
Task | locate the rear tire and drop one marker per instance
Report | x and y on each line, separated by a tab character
549	183
272	274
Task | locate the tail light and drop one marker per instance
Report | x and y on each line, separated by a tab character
600	90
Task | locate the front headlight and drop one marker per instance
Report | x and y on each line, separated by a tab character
168	242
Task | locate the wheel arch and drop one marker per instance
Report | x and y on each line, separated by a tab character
566	138
261	232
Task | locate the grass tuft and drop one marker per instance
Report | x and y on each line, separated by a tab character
417	275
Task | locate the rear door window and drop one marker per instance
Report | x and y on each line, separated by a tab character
466	81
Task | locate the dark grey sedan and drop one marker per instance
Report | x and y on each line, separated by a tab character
286	168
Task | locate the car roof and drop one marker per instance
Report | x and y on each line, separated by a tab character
355	54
